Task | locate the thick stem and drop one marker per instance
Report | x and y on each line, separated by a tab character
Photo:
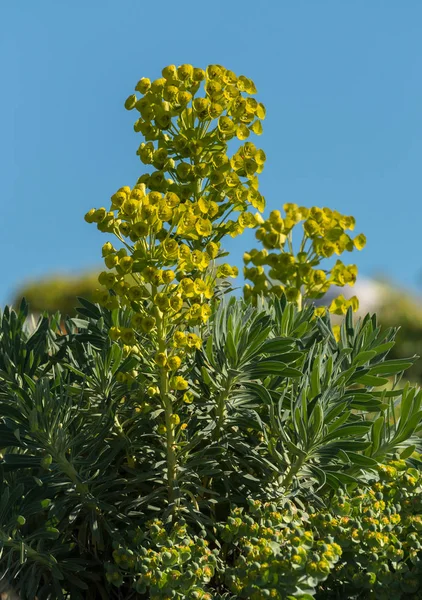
221	408
168	410
221	413
294	469
171	455
69	470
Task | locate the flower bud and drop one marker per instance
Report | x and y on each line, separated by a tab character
107	249
143	85
111	260
153	390
89	217
99	215
174	362
114	333
130	102
170	72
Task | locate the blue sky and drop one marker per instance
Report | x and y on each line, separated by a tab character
340	80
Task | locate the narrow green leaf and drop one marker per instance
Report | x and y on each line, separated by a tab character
377	427
361	460
363	357
349	430
408	452
391	367
371	380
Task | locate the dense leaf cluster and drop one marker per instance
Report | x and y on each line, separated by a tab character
276	409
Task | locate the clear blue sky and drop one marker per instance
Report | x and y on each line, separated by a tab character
341	81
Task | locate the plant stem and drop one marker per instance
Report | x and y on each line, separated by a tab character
69	470
221	408
168	410
294	469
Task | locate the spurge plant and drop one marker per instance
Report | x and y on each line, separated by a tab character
176	441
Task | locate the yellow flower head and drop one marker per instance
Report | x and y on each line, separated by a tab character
147	324
176	303
114	333
127	335
161	359
175	419
174	362
360	241
193	341
168	276
162	301
179	339
179	383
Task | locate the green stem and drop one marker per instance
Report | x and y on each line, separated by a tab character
69	470
294	469
168	410
221	413
221	408
8	541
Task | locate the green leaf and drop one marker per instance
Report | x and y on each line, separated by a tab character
376	430
277	345
300	425
334	412
342	477
209	351
315	379
408	428
230	347
391	367
316	421
270	367
364	357
371	380
349	430
408	452
21	461
361	459
342	444
261	392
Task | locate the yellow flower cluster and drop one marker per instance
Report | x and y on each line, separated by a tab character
186	143
281	267
154	266
175	94
381	528
171	564
169	226
276	552
170	223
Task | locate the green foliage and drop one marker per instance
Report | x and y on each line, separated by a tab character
405	312
170	564
365	545
276	408
378	530
275	553
58	293
168	443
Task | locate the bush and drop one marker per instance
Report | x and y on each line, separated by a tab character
59	293
404	311
171	443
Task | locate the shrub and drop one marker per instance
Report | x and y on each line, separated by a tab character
58	293
407	314
175	444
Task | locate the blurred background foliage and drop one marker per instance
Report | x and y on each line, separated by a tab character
394	306
57	292
397	307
